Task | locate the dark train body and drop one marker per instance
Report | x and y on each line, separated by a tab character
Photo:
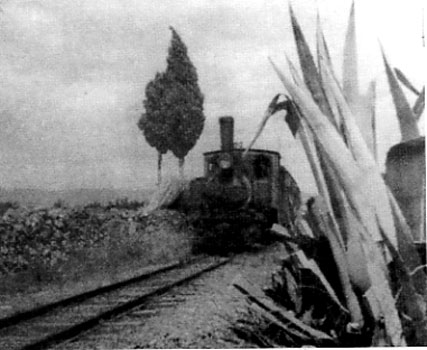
240	195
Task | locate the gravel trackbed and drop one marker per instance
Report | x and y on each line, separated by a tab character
196	315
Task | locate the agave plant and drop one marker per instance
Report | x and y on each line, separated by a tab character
368	236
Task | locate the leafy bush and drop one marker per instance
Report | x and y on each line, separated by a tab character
49	244
4	206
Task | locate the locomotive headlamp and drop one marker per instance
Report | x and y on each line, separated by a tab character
225	161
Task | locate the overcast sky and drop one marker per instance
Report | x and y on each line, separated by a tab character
73	75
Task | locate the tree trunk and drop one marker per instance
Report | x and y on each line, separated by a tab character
159	168
181	167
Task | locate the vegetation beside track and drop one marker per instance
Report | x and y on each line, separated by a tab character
58	245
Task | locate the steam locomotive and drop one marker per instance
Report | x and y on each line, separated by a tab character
241	193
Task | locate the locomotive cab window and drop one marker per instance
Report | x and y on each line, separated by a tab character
262	167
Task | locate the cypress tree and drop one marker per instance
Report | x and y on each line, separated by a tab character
173	118
153	122
184	101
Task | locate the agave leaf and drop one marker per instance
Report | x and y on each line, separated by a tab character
416	307
350	174
260	128
292	118
374	181
278	314
367	270
312	265
370	205
313	159
323	53
361	151
358	270
295	74
406	246
322	46
372	101
356	233
350	71
271	109
359	104
418	108
364	114
405	81
367	265
332	231
324	61
293	110
328	136
308	67
381	289
313	156
407	120
381	300
352	181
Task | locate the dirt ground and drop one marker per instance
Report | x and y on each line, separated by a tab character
200	319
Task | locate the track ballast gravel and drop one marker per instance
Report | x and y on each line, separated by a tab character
196	315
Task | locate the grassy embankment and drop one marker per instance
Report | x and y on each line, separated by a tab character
62	250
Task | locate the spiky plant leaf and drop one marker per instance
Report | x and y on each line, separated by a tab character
322	53
329	137
407	120
292	118
372	97
350	69
364	113
352	181
308	67
374	181
415	301
406	246
272	108
405	81
312	265
322	46
332	232
418	108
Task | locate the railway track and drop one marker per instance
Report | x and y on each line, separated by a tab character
53	323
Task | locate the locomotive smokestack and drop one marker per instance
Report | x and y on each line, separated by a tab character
226	125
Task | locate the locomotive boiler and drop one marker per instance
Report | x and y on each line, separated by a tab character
241	193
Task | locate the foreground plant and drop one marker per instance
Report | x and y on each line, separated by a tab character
374	288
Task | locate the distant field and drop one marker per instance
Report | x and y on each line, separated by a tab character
46	198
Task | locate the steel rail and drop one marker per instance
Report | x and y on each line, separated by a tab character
73	329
